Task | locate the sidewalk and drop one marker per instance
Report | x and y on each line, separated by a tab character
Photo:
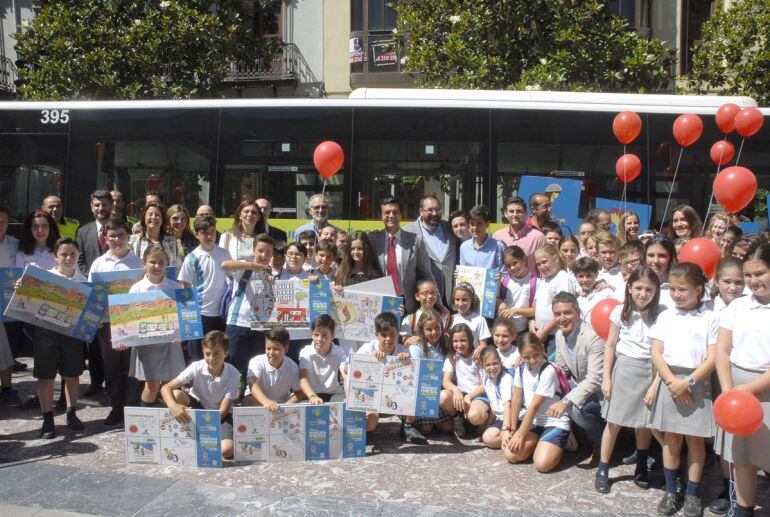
87	473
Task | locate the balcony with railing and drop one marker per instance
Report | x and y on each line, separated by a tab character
285	66
8	77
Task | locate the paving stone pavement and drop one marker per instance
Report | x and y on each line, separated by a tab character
86	473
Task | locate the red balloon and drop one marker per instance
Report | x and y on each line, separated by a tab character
687	129
734	188
722	152
726	117
600	317
702	252
328	158
738	412
626	126
748	122
628	167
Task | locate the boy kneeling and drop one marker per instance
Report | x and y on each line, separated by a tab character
214	385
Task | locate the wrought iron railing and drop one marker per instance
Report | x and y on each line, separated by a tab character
285	64
8	75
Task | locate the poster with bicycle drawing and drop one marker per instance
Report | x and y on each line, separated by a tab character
298	432
155	437
354	312
393	386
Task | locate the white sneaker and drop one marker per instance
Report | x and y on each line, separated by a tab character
572	443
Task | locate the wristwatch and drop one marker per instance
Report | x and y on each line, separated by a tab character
567	402
691	380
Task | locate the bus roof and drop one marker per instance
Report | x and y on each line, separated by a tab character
430	98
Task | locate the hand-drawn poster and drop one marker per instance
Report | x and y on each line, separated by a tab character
393	386
485	285
298	432
8	277
613	206
58	304
120	282
155	317
294	302
354	313
564	195
154	437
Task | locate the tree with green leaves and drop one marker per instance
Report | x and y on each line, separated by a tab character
133	49
734	57
533	44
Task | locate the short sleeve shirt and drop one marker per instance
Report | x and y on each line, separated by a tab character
498	393
322	372
685	335
634	337
516	295
747	319
547	288
478	325
276	383
546	384
466	372
209	389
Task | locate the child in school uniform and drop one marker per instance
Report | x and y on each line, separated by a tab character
586	272
427	296
252	281
320	363
495	391
608	246
464	303
326	261
517	290
660	255
569	249
631	256
57	352
214	384
117	360
461	376
202	270
628	374
683	339
553	280
159	363
528	431
272	377
743	362
504	337
386	343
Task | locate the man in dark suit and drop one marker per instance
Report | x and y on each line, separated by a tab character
264	207
440	243
92	241
400	253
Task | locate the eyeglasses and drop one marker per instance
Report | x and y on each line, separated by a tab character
428	293
117	237
629	263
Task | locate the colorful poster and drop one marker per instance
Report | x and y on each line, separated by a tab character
120	282
393	386
485	285
298	432
295	302
354	313
58	304
155	437
613	206
156	317
564	195
8	277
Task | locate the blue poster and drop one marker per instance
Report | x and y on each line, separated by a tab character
485	286
428	388
8	277
155	317
320	298
749	227
354	434
58	304
208	438
564	195
316	433
613	206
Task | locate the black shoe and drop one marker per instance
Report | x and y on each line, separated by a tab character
74	423
48	431
93	391
669	505
602	482
19	366
721	504
641	478
413	435
630	459
692	506
31	403
114	418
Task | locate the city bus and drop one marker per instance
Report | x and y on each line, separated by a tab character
466	147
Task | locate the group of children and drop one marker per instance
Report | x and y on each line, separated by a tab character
672	331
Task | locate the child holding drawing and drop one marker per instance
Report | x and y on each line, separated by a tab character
154	364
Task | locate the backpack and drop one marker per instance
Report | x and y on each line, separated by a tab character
227	298
564	386
532	286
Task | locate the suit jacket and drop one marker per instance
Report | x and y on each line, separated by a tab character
276	233
415	264
88	242
441	267
587	366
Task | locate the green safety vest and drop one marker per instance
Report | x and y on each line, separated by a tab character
68	228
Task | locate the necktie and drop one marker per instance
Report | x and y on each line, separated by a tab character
103	238
391	265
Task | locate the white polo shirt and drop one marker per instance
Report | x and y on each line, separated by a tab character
209	389
545	384
322	372
516	295
9	247
547	288
747	319
40	257
467	372
634	337
107	263
277	383
77	276
587	302
203	271
499	392
477	323
686	335
371	346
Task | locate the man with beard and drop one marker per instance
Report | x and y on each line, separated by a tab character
519	233
318	207
439	241
540	205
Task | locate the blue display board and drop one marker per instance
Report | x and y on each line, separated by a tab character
563	193
8	277
485	285
613	206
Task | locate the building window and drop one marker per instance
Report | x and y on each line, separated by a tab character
372	49
624	8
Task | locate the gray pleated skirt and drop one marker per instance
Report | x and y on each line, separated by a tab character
669	416
161	362
755	448
631	378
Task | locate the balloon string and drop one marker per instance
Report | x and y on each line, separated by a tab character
731	495
739	151
711	198
671	190
323	190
